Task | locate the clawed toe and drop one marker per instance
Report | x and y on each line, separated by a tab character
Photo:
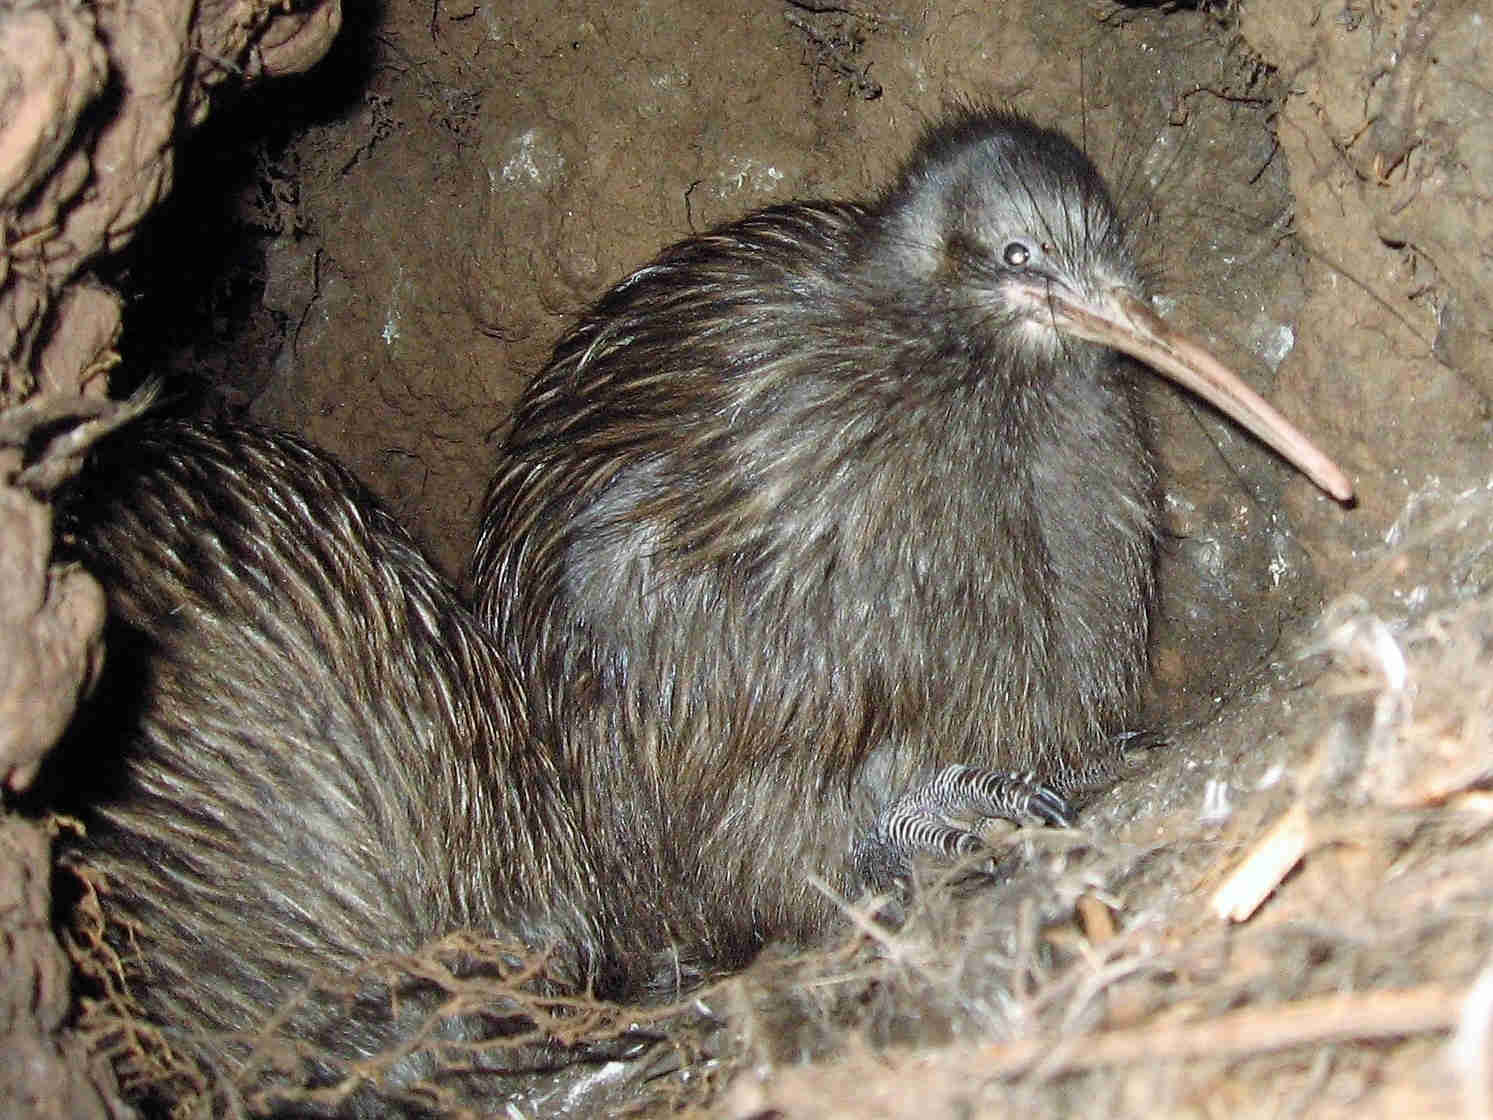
1050	808
920	821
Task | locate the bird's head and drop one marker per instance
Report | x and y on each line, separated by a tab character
1011	228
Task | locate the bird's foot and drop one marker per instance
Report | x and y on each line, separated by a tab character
919	821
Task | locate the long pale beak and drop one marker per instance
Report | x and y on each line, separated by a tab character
1120	320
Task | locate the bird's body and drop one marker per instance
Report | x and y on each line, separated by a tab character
305	755
830	533
799	516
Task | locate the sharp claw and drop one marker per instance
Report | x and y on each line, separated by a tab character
918	822
1051	808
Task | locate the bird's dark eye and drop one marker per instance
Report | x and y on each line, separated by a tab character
1016	254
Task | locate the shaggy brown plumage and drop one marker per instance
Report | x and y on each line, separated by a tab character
807	510
324	757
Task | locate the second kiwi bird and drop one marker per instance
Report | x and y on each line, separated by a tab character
831	530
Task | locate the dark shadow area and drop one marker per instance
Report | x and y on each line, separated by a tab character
195	273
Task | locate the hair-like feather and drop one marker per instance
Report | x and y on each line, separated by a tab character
324	757
804	510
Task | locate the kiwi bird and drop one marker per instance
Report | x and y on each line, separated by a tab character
829	533
305	754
